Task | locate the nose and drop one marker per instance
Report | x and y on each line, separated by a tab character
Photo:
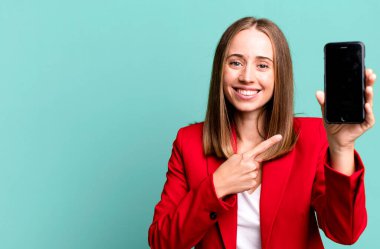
247	74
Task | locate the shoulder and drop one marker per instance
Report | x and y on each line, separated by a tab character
309	127
307	121
191	135
195	129
189	145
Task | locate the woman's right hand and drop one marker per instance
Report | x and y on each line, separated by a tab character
240	172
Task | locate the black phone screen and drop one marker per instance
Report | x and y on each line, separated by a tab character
344	82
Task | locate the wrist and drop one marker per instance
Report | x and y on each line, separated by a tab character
341	149
219	189
342	159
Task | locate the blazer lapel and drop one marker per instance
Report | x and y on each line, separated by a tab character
228	220
275	176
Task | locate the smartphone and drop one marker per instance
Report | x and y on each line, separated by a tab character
344	82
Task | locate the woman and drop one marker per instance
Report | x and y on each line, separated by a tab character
252	175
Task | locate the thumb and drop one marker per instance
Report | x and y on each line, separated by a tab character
320	95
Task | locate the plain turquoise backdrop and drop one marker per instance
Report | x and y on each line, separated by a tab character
92	94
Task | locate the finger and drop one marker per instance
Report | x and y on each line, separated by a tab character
252	166
320	95
368	71
369	117
369	95
253	174
263	146
250	191
370	77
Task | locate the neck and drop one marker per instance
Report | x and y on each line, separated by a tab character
247	127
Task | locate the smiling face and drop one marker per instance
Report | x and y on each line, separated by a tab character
248	74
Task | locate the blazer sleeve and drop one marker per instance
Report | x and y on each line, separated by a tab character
184	214
339	200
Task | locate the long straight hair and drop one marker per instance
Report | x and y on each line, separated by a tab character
277	114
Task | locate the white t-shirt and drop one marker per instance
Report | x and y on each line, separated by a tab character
248	224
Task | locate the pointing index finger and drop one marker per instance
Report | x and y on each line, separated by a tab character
263	146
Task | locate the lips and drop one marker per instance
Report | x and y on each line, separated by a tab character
247	92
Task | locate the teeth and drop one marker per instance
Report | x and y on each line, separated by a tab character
247	92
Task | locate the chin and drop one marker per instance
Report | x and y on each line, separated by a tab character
246	109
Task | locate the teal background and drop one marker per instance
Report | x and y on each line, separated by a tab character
92	94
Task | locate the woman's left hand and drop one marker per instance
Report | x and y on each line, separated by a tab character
344	135
341	137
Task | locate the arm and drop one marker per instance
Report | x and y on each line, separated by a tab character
338	191
339	200
183	215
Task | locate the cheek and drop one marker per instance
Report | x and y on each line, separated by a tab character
230	75
268	81
226	90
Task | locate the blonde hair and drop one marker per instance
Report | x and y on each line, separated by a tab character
277	114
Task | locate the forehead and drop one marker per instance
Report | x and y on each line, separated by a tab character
251	43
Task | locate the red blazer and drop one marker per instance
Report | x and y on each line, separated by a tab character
294	188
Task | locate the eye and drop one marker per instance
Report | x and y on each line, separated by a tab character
235	63
263	66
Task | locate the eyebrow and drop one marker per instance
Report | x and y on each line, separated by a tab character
258	57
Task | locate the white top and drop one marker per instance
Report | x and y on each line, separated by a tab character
248	224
